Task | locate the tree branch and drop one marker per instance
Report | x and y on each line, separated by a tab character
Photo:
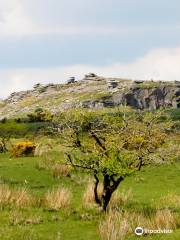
98	141
77	165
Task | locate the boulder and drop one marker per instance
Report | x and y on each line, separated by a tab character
71	80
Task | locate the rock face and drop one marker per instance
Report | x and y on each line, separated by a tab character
151	98
93	92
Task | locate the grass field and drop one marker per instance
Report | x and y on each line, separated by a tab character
76	222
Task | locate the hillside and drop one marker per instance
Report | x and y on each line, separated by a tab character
93	92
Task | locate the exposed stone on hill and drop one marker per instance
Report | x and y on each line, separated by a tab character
71	80
93	92
151	98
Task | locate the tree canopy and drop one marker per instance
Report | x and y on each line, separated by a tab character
111	145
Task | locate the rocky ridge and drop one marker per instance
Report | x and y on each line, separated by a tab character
93	92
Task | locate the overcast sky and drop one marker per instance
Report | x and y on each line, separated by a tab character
51	40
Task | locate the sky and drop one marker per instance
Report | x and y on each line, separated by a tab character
46	41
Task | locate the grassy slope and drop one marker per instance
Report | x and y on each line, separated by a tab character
148	187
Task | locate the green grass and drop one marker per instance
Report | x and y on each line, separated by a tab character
154	182
147	187
19	130
174	114
154	84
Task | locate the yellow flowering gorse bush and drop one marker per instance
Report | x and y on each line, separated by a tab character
25	148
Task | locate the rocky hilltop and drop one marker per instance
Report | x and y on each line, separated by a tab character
93	92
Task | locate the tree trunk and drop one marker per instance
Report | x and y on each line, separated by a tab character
96	197
110	185
106	199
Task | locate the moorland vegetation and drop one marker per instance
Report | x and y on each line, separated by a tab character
90	174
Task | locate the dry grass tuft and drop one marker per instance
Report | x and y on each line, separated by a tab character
5	195
10	197
115	227
42	149
165	219
58	199
170	200
61	170
21	198
120	198
88	196
120	225
43	146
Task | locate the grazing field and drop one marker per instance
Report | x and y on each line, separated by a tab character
33	215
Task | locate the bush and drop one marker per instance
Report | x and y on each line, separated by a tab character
4	120
23	149
40	115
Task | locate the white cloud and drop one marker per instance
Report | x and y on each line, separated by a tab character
159	64
25	17
13	19
17	19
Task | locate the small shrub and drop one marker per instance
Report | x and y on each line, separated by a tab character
57	199
18	120
40	115
3	120
23	149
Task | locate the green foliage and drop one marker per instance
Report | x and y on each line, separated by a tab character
118	141
21	128
112	146
40	115
12	129
174	114
3	120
